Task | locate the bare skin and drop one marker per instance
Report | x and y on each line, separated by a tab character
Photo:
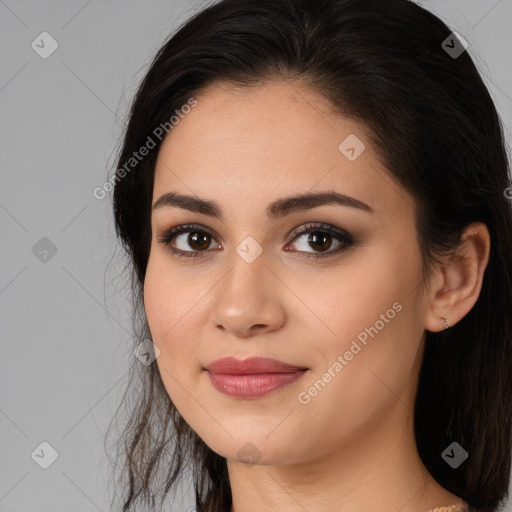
349	447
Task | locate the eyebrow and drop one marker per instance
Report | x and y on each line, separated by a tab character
276	209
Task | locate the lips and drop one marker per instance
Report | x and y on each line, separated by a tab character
253	377
251	366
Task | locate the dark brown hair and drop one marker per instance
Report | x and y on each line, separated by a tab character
435	128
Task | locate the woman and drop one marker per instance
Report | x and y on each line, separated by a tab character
313	198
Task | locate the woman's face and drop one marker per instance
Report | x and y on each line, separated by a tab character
353	318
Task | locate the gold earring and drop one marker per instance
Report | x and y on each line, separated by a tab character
446	326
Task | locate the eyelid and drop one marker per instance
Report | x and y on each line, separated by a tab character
178	229
304	228
166	235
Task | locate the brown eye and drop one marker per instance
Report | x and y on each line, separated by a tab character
187	240
321	241
198	240
193	241
320	238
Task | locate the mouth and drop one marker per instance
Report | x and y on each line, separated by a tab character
253	377
251	366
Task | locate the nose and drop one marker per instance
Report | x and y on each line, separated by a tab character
247	301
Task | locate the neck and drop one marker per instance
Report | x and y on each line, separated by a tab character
380	471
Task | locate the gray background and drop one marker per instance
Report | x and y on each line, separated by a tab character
65	317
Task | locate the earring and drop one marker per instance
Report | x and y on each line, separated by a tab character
446	326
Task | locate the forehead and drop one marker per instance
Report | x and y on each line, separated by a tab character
268	141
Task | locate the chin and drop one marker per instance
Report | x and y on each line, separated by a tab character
255	451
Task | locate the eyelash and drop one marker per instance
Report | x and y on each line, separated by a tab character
347	240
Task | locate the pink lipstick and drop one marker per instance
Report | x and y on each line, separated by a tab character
253	377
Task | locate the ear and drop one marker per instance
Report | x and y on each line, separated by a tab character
456	286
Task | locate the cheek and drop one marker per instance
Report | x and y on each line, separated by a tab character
172	305
166	306
165	325
369	313
345	300
156	304
359	382
168	300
